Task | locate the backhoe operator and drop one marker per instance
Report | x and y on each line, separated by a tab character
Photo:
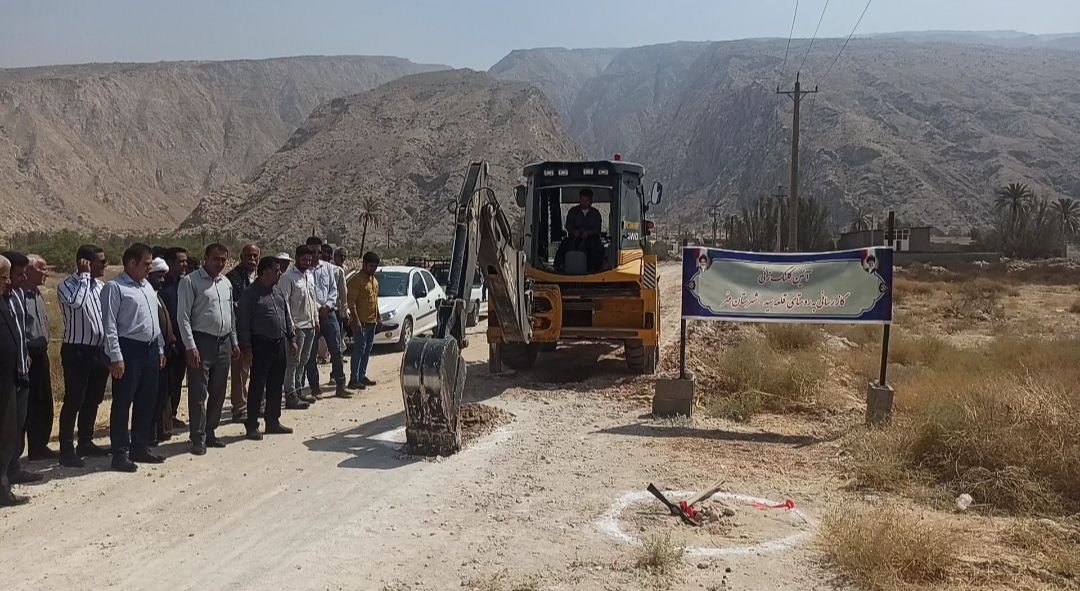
583	227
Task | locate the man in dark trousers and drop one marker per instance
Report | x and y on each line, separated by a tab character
82	355
10	350
39	410
208	330
16	303
136	350
241	277
176	258
265	332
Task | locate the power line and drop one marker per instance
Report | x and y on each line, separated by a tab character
816	29
791	32
844	46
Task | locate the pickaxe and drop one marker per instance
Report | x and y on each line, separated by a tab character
683	510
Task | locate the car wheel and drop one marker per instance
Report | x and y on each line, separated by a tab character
406	335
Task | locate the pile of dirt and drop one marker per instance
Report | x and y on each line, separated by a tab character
478	420
724	523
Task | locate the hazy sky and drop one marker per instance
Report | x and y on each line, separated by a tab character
461	33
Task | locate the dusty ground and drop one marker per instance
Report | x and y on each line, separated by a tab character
529	504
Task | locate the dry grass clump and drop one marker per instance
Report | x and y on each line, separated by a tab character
885	548
1075	307
1055	547
999	423
904	287
752	377
791	337
659	555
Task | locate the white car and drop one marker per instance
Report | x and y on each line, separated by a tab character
409	298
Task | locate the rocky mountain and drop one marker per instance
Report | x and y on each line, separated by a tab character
122	146
930	129
407	143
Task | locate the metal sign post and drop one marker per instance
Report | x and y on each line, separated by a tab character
879	396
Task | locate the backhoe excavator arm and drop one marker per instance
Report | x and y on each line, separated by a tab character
432	370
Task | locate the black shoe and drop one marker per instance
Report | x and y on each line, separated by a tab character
294	403
342	392
198	449
367	382
353	385
178	424
145	456
13	500
42	454
163	436
70	459
214	442
24	477
309	398
91	450
277	429
253	434
121	463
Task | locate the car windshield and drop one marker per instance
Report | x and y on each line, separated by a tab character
392	284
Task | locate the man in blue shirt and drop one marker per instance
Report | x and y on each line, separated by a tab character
326	299
136	350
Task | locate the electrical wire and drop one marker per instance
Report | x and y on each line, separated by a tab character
844	46
816	29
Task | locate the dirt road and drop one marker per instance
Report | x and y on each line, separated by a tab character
529	505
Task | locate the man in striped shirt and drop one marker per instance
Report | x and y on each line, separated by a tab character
82	355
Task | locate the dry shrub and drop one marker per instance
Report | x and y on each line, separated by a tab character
998	423
977	298
926	351
904	288
860	334
1051	545
791	337
1075	308
752	377
660	555
885	547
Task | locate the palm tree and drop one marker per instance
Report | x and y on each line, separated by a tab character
1068	214
371	214
1013	199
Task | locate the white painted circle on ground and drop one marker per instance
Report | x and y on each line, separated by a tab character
608	524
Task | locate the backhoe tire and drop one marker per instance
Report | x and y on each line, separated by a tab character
549	347
473	317
519	356
640	358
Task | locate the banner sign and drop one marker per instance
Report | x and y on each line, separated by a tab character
842	287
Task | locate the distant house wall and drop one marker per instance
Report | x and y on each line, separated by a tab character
907	239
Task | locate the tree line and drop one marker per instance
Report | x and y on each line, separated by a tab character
1026	225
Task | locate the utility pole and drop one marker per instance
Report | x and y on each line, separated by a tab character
779	195
714	213
793	214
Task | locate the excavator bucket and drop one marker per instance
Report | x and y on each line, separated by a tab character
432	380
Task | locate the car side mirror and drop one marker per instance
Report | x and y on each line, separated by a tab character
657	193
519	195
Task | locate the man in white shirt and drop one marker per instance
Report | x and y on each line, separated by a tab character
208	330
298	287
326	299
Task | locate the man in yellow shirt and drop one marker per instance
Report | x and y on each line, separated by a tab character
363	292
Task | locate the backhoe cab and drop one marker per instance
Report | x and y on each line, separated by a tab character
601	288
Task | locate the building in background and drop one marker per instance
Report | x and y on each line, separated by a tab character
912	239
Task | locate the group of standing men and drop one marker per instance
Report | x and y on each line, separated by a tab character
157	323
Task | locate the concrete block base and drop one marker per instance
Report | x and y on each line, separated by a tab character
879	403
673	397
